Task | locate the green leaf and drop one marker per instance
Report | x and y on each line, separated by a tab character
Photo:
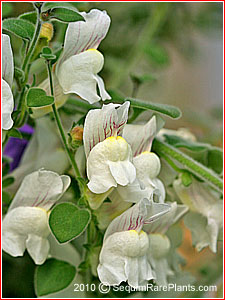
15	133
19	27
62	14
7	181
47	54
49	5
179	142
29	16
53	276
67	221
168	110
37	98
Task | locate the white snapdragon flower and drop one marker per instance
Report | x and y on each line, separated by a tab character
80	62
124	252
147	163
206	217
160	244
109	157
7	81
25	226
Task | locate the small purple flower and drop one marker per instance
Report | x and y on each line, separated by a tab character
15	147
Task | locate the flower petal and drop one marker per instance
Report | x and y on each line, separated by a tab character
103	123
78	74
81	36
140	137
123	172
7	60
147	165
204	233
134	218
159	189
123	258
133	192
108	165
38	248
40	189
112	271
162	225
7	106
138	271
18	224
104	95
199	197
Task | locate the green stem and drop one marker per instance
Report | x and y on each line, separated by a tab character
193	166
60	127
25	68
170	162
32	45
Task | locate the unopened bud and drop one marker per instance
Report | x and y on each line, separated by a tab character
76	137
46	31
45	36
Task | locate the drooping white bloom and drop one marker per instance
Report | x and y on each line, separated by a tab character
7	81
108	154
124	252
159	244
202	200
80	62
25	226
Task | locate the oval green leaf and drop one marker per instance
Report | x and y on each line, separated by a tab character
21	28
37	98
65	15
165	109
29	16
53	276
67	221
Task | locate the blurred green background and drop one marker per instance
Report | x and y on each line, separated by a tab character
177	49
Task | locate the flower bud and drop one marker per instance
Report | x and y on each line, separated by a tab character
45	36
76	137
46	31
